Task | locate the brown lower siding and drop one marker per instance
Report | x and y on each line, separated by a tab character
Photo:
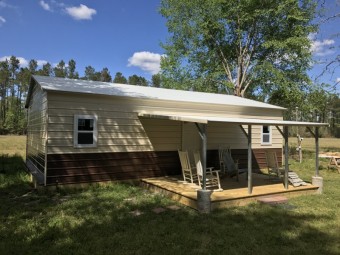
98	167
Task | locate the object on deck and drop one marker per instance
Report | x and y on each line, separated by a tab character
273	165
189	173
212	176
294	179
227	164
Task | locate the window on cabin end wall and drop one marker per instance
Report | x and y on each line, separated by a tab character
266	135
85	131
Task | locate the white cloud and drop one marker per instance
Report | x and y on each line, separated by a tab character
3	4
147	61
338	80
2	20
81	12
321	48
22	61
45	5
61	5
41	62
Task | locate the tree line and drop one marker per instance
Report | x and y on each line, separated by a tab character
14	84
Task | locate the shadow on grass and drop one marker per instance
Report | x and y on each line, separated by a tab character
13	178
98	220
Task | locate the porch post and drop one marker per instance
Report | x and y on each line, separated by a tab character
285	131
202	132
250	177
204	153
316	152
317	180
203	195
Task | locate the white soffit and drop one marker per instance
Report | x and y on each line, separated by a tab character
240	121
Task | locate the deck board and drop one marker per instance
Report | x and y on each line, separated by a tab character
234	193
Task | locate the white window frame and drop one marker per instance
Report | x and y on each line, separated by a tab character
269	134
76	131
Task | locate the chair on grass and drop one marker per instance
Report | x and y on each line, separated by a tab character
189	173
212	176
273	165
230	168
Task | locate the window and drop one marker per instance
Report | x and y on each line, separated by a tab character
85	131
266	137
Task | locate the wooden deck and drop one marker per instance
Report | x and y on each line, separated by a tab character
234	193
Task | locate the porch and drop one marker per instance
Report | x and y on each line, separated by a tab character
234	193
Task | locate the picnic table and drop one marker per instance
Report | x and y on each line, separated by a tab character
334	161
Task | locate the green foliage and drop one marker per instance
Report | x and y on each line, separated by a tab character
119	78
46	70
71	70
137	80
105	75
60	70
156	80
13	87
235	46
91	74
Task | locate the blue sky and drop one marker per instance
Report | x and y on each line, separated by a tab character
121	35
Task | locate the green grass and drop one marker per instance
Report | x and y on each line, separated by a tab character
98	220
326	144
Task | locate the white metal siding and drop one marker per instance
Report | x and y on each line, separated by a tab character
36	128
120	129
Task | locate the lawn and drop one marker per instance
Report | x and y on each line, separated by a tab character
120	219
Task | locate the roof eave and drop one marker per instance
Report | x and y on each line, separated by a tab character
29	93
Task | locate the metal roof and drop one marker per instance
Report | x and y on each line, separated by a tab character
115	89
240	121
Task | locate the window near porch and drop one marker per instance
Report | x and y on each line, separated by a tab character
85	131
266	137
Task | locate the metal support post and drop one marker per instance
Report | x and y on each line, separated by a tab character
250	177
285	132
202	132
316	151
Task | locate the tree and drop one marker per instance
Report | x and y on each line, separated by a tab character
60	70
13	68
105	75
12	97
71	70
91	74
46	70
32	66
4	85
156	80
137	80
119	78
233	46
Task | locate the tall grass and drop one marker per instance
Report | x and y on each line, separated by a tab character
102	219
308	144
